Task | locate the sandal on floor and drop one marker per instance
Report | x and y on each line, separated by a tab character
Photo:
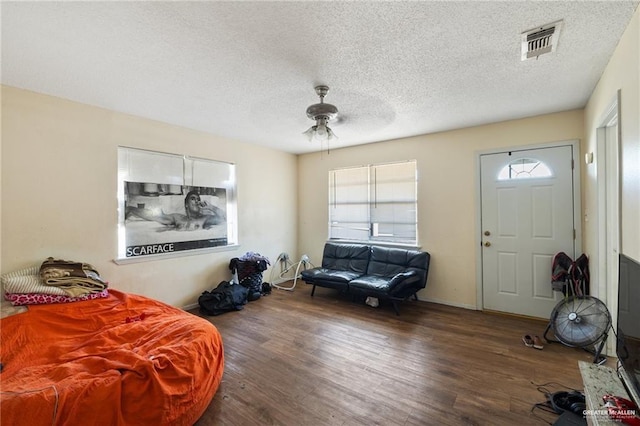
537	343
528	340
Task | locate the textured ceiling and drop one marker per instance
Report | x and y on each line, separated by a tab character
246	70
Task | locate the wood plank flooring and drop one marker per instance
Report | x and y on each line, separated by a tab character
293	359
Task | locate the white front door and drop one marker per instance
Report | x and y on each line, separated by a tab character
527	217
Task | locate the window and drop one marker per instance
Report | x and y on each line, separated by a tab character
374	203
172	205
524	168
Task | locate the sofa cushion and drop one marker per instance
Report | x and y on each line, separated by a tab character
388	262
386	285
316	275
346	257
370	283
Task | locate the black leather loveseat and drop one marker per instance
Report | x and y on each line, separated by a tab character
383	272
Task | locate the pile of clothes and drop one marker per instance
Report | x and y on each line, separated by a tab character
54	281
247	270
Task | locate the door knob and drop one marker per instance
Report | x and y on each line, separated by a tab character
487	244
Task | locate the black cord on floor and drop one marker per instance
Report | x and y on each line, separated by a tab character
546	405
542	385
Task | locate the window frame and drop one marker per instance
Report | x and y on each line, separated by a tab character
139	167
397	225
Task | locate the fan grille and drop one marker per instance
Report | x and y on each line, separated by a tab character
580	321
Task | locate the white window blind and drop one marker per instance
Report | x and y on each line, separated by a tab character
374	203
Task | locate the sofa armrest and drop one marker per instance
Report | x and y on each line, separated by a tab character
403	282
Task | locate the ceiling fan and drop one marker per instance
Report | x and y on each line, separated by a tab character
321	113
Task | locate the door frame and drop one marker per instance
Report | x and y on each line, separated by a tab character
607	174
577	203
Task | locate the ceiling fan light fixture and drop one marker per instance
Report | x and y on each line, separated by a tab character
310	132
320	132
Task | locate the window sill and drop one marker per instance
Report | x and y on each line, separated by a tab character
378	243
150	257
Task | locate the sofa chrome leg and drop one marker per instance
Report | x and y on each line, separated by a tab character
415	296
313	290
395	307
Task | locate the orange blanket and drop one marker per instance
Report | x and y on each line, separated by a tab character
122	360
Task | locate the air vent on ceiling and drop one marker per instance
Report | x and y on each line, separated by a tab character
540	40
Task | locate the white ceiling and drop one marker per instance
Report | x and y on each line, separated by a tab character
247	70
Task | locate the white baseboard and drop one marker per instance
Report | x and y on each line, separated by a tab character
422	299
190	306
445	302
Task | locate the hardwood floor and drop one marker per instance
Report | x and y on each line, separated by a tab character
293	359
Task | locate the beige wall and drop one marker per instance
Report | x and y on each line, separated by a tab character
622	73
59	163
447	204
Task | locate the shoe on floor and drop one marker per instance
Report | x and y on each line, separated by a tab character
537	343
528	340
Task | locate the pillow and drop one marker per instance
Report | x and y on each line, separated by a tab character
34	270
26	284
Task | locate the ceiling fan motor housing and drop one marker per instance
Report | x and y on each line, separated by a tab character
322	110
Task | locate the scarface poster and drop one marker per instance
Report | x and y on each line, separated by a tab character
160	218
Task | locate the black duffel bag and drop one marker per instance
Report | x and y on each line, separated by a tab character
226	297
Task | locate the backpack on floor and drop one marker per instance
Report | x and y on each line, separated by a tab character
226	297
249	274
